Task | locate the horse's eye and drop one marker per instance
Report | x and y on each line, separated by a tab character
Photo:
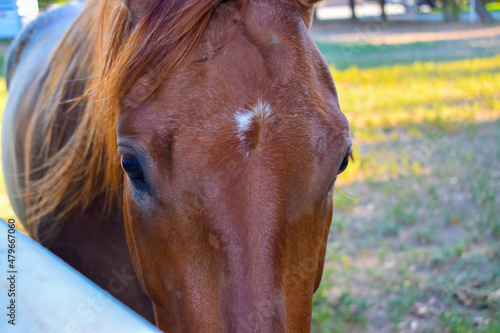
345	162
132	167
344	165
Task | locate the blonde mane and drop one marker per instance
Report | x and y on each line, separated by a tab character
94	66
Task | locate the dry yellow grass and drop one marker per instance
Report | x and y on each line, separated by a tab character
5	207
413	100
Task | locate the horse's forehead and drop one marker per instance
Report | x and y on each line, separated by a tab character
191	148
265	25
265	45
246	114
263	72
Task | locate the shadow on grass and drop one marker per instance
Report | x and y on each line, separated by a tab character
4	46
343	56
2	57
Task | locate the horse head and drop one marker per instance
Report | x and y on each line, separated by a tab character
229	165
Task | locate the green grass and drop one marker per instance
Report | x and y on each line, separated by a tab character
337	314
417	218
459	322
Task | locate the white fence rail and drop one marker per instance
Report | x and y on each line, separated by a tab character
41	293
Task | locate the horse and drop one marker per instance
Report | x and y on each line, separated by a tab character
180	154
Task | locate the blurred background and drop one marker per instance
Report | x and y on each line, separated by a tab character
415	238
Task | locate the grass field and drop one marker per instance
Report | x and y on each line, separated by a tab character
415	242
376	55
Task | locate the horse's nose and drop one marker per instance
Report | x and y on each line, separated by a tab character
256	308
253	296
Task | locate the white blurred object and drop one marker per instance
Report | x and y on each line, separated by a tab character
16	14
28	10
365	9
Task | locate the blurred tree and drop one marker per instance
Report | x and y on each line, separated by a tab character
451	10
352	5
383	16
315	15
483	14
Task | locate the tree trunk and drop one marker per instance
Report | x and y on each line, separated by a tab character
483	14
315	18
352	5
382	6
451	10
